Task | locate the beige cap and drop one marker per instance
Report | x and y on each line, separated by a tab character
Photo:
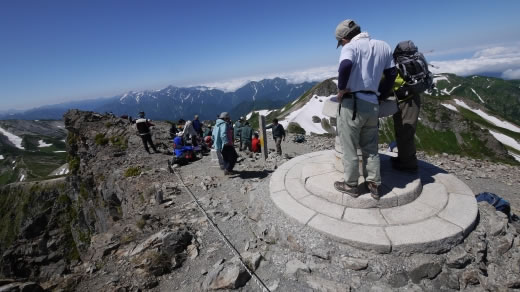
344	28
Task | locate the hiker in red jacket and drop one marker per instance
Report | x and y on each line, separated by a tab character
255	143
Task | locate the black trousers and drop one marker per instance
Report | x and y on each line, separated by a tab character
405	124
147	139
230	157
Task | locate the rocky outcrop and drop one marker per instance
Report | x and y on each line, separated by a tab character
39	243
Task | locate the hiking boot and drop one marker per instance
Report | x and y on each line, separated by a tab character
342	186
373	188
229	172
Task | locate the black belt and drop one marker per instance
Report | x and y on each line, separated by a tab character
353	95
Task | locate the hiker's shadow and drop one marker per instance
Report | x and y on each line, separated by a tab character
392	178
249	174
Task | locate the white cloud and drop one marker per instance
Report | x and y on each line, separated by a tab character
312	74
500	59
511	74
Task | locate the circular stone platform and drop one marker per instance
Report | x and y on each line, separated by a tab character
409	217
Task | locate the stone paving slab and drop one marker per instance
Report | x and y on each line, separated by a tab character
434	222
367	237
429	236
371	216
295	171
285	202
323	206
461	211
453	184
297	190
312	169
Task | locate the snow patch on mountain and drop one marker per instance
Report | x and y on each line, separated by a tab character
450	106
15	140
303	116
492	119
256	91
439	78
260	112
477	95
444	91
516	156
506	140
42	144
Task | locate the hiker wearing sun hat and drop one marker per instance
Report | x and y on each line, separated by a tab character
362	63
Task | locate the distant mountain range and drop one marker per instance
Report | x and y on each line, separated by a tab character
173	103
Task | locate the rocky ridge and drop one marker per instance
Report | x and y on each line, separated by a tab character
136	228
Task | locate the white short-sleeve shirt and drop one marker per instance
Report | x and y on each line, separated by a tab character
369	58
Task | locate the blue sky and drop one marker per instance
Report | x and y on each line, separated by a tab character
55	51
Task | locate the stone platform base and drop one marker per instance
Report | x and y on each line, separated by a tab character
429	213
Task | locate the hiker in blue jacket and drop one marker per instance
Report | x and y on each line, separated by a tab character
223	143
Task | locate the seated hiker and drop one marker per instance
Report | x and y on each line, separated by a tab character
255	144
246	136
208	141
206	132
189	132
180	149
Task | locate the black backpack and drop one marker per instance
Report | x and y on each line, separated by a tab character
413	68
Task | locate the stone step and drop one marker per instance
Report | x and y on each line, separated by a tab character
439	218
318	175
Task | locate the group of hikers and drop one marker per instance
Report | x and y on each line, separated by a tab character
193	136
369	72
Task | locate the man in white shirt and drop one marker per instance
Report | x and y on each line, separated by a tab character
363	62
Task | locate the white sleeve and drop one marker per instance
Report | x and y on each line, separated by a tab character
347	53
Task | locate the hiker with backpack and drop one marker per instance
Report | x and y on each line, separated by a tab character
363	62
143	128
223	143
413	79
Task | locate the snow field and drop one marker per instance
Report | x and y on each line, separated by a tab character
260	112
450	106
42	144
506	140
17	141
491	119
477	95
439	78
303	116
